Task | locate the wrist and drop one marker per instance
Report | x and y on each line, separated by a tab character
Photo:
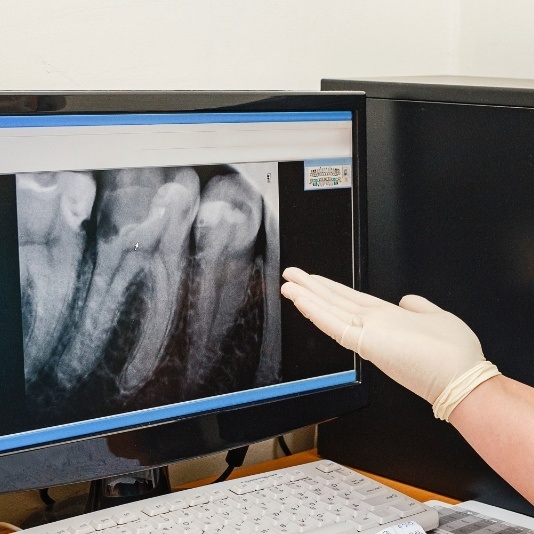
458	389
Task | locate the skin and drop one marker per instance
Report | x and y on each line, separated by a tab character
497	420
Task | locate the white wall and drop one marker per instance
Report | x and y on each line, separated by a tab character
496	38
230	44
256	44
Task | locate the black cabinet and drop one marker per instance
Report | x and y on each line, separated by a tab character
451	217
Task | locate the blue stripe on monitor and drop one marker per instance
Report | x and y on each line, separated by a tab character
114	422
327	161
170	118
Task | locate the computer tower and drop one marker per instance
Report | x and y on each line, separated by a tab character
451	217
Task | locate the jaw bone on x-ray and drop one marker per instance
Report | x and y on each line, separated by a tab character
142	287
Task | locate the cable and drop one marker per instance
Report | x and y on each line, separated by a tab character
234	458
45	497
283	445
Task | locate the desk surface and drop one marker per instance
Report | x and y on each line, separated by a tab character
312	456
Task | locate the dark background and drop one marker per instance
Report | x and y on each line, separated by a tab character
316	235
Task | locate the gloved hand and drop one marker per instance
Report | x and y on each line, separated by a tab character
422	347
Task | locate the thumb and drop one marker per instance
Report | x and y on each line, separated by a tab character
418	304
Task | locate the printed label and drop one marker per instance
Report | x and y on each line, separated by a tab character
327	174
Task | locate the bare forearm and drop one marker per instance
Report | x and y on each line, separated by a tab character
497	420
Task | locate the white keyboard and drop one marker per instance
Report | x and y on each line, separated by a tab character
321	497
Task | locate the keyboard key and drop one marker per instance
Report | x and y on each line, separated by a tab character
241	488
198	498
325	478
327	467
278	491
241	501
286	527
161	521
176	504
406	508
368	491
118	530
296	474
336	528
310	483
102	523
382	501
182	516
216	495
345	474
325	518
363	522
356	507
155	509
188	529
139	527
124	517
357	481
82	527
305	522
316	506
278	478
240	528
384	515
228	516
210	524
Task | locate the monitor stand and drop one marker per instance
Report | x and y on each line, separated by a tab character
104	493
113	491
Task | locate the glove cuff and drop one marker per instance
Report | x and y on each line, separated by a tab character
458	389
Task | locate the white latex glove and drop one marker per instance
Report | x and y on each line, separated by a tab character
422	347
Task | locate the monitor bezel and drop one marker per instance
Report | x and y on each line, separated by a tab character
167	442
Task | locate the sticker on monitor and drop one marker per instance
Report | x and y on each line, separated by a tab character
323	174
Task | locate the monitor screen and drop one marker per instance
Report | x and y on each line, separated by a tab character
143	239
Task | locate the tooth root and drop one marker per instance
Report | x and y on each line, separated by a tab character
51	249
269	367
225	233
180	199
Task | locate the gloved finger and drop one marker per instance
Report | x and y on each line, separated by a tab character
293	292
304	280
418	304
346	334
363	299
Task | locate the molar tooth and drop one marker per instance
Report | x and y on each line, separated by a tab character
159	218
42	182
52	244
225	233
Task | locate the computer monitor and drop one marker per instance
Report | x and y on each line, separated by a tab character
142	238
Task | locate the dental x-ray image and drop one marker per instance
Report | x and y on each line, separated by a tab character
147	286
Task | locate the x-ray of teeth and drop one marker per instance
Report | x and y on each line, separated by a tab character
146	286
52	208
